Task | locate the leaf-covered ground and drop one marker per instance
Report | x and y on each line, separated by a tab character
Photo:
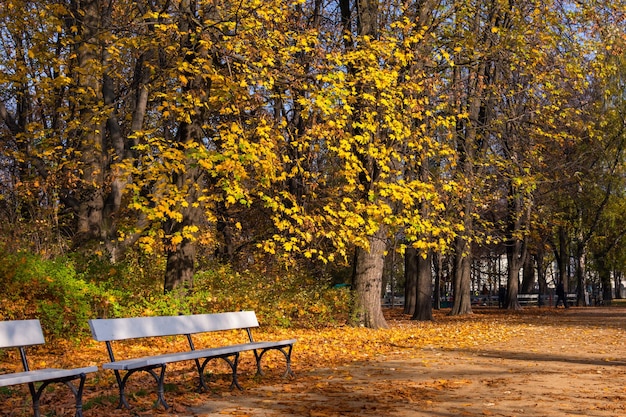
536	362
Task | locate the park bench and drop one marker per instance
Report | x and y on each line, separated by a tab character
110	330
528	299
572	298
22	334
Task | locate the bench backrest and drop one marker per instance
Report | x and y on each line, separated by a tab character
105	330
16	333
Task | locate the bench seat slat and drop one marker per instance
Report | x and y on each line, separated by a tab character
144	362
41	375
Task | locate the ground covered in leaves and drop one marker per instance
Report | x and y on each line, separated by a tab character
536	362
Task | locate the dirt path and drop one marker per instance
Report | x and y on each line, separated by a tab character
572	366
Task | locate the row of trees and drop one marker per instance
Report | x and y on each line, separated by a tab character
317	132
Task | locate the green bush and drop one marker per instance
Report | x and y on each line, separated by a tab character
64	297
49	290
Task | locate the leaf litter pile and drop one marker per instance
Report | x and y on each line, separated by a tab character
535	362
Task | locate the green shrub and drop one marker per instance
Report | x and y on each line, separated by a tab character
49	290
64	297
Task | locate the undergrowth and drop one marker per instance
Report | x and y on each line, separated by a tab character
65	292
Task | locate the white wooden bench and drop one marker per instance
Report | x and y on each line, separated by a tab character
110	330
22	334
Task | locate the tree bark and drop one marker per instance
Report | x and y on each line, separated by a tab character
438	267
180	264
410	280
581	280
462	279
515	246
514	266
561	254
89	135
368	283
528	277
369	263
541	275
424	302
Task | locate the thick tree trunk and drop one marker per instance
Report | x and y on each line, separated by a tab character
189	181
180	266
369	264
368	280
181	258
528	277
424	303
514	266
515	247
462	278
90	203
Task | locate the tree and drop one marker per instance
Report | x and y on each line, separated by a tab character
470	79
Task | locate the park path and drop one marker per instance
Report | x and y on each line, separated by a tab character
574	365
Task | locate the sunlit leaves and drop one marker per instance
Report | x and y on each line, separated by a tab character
275	117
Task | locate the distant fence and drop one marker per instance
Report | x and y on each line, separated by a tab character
488	300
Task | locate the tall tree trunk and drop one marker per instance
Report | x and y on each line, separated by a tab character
618	276
581	280
424	303
410	280
462	279
369	265
515	246
89	135
438	267
561	254
604	273
189	181
528	277
514	266
180	266
541	275
368	282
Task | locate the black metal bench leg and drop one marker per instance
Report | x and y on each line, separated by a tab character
287	354
233	365
78	394
160	386
288	371
258	357
121	384
35	394
203	386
